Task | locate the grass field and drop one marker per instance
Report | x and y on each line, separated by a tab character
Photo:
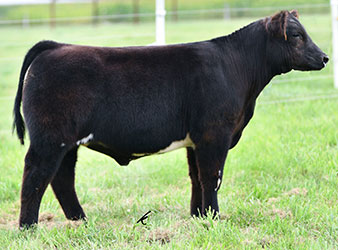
280	182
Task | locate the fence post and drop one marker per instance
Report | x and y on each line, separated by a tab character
174	7
136	11
160	22
226	12
52	13
95	11
334	16
25	21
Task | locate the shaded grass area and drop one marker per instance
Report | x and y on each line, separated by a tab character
279	188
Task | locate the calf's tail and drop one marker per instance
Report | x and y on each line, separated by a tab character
18	123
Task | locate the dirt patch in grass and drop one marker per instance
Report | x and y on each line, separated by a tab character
45	216
266	241
52	223
248	242
225	216
5	218
292	192
296	191
273	200
282	214
160	235
8	221
46	219
2	221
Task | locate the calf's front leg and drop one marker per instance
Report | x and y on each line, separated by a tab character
210	157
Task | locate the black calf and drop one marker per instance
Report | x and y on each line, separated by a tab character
136	101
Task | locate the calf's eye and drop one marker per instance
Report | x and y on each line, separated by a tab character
296	35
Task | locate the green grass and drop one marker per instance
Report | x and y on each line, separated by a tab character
279	188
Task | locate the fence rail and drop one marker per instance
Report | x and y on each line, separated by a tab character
226	12
38	2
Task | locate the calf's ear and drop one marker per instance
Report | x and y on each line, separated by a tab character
276	25
295	13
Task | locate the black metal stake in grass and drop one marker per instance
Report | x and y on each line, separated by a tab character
144	217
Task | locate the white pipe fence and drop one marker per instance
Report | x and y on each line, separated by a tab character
37	2
162	12
160	22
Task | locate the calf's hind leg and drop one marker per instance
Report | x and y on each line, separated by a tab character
63	187
41	164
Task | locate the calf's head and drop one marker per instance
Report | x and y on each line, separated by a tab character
290	46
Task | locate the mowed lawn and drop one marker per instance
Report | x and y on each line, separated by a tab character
280	182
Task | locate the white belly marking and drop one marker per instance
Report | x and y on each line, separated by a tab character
186	142
84	141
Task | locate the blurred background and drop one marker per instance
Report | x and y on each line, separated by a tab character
27	13
132	22
84	11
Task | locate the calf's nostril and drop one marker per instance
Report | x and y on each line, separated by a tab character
325	59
